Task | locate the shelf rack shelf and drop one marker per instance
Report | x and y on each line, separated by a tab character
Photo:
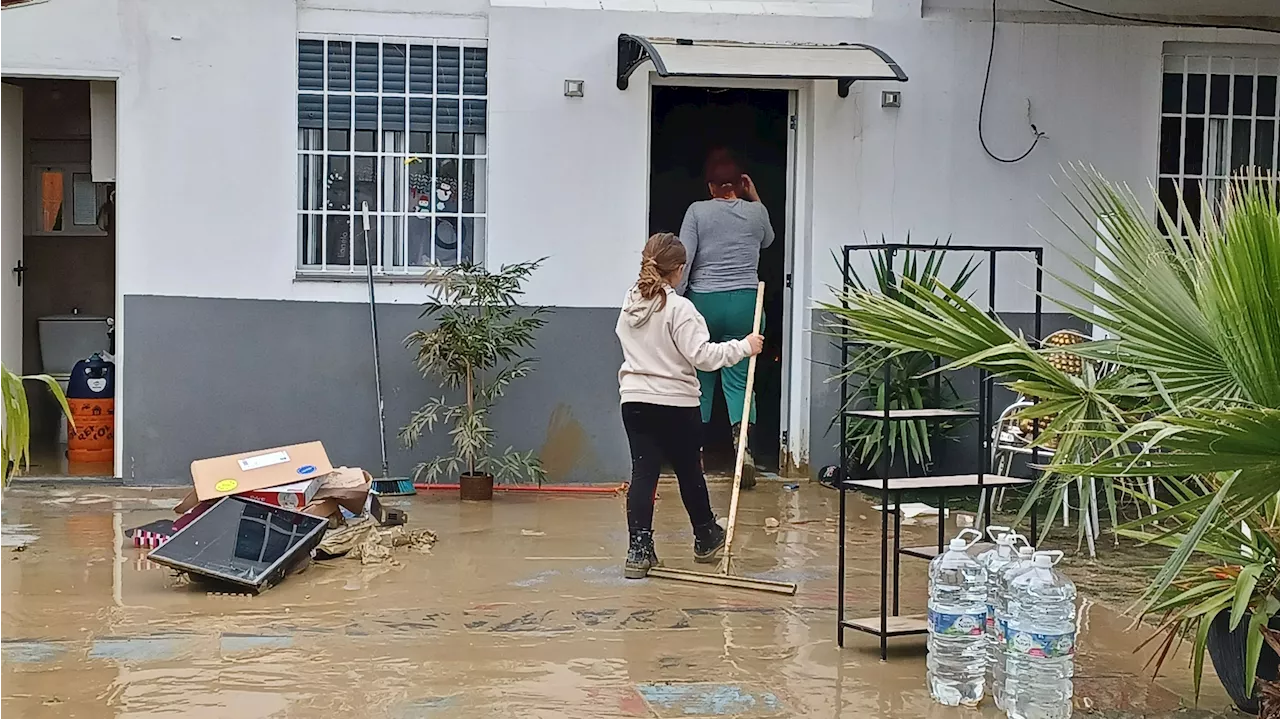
890	622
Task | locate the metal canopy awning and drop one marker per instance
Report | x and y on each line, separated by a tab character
671	57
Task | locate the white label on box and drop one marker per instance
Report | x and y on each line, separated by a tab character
263	460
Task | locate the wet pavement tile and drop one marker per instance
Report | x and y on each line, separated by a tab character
520	610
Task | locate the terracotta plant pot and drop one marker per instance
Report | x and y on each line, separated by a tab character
475	487
1226	649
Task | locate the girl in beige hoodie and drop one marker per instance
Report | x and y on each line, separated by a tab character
664	343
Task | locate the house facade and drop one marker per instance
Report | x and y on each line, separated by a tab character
241	140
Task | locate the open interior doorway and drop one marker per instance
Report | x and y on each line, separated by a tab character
60	260
688	123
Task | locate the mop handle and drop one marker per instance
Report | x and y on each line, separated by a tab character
377	359
742	435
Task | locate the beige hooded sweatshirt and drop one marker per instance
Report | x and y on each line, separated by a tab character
663	348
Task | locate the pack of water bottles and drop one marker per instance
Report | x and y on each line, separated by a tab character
1001	623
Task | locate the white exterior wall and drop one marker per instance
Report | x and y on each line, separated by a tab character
207	167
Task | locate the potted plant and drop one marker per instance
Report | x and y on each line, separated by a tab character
474	346
1226	605
15	455
910	444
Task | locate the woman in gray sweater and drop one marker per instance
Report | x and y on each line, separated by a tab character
723	237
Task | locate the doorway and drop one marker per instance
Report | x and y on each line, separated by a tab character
59	254
688	123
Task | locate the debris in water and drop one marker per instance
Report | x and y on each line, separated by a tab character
532	533
771	523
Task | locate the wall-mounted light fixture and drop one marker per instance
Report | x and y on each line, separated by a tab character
890	98
574	88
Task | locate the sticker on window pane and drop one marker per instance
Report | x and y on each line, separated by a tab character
84	200
448	70
339	66
419	242
447	127
309	236
51	200
473	186
419	125
338	184
446	194
446	241
420	190
337	241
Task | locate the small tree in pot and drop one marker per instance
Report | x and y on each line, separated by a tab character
475	345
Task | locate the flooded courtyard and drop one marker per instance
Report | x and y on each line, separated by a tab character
519	610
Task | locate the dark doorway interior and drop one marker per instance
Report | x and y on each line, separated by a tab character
688	122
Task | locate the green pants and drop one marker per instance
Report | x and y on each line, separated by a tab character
729	316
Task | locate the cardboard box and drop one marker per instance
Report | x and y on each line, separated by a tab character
288	496
344	488
247	471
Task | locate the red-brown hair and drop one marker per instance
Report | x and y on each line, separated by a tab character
723	174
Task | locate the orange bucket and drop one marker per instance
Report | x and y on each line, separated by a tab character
92	438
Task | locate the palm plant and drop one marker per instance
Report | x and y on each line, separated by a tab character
15	455
1194	343
480	331
907	387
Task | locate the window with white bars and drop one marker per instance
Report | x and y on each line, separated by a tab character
1218	116
400	125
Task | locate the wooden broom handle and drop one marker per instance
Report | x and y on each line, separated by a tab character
742	435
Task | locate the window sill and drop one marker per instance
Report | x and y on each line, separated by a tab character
379	277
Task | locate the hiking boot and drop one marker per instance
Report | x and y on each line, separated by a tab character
708	540
641	556
748	480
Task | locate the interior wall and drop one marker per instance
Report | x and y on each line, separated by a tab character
65	273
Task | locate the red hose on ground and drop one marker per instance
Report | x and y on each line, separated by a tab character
551	488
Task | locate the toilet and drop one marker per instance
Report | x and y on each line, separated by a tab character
67	339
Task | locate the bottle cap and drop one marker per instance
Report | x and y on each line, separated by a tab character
958	544
1046	559
1026	552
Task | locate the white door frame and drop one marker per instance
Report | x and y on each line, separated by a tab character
112	76
794	403
15	180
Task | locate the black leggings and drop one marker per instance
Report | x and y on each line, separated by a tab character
657	432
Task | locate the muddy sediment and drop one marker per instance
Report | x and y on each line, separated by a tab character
520	609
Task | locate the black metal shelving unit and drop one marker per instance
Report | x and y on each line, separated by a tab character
890	622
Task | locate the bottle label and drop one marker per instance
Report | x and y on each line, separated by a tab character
957	625
1041	646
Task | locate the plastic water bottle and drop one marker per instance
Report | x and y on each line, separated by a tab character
1021	563
995	560
1040	641
957	619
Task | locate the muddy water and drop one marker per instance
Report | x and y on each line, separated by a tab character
521	610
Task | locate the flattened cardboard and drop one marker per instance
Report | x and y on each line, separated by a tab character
247	471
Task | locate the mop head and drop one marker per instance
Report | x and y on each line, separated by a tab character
394	487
